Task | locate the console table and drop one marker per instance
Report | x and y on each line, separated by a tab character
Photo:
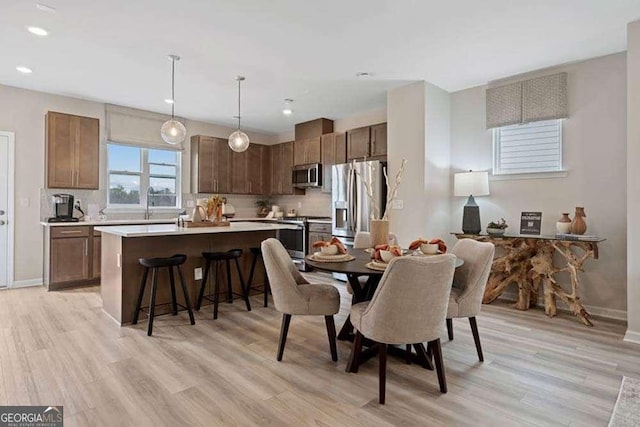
528	262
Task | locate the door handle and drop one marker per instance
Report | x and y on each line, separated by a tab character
86	248
2	222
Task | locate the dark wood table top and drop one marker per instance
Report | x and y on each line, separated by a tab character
357	266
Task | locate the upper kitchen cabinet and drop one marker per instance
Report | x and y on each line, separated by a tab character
307	151
334	152
256	164
280	168
366	142
210	165
313	128
247	170
72	151
379	140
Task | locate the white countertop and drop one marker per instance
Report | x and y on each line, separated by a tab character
110	222
174	230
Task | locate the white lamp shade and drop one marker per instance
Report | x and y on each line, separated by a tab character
238	141
471	184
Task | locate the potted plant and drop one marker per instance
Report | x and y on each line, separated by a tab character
497	228
263	207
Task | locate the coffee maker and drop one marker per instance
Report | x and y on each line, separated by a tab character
63	208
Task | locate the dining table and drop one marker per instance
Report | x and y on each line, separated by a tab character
355	269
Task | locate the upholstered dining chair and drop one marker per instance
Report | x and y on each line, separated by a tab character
470	281
292	294
408	307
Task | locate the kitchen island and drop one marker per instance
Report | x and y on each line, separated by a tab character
123	245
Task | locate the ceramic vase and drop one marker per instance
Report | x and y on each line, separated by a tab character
563	226
578	225
379	232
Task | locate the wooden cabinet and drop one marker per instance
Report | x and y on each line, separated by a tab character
210	165
70	254
96	255
72	151
280	169
378	140
334	152
313	129
307	151
256	159
239	183
368	141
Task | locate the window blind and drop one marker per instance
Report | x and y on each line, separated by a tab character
529	148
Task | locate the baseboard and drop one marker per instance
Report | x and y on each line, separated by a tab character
26	283
608	313
632	337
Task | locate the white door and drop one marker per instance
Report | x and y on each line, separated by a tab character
5	152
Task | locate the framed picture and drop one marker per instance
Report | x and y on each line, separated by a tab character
531	223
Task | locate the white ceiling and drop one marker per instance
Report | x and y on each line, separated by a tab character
115	50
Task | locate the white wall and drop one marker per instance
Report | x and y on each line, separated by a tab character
633	182
594	154
418	131
22	111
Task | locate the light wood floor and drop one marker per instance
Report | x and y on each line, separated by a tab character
60	348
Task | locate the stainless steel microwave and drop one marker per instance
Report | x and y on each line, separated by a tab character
305	176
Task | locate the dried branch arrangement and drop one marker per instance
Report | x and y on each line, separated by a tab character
391	191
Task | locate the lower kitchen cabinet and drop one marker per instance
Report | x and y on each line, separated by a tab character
73	257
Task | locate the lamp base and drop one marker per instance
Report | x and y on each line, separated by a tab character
471	217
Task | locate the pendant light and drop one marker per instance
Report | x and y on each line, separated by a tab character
238	140
173	131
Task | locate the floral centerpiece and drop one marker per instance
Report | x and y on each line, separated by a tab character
497	228
214	208
380	222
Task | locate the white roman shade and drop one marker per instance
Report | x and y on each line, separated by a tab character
137	127
527	101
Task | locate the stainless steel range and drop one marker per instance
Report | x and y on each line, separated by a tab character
297	241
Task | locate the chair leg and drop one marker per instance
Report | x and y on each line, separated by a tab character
450	329
174	301
252	270
382	355
187	299
284	329
143	284
229	288
203	285
476	337
354	358
267	290
408	355
152	302
331	333
245	289
216	292
437	358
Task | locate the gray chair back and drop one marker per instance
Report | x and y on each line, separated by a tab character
284	277
471	278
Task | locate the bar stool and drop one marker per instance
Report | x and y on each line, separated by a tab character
154	264
257	253
218	258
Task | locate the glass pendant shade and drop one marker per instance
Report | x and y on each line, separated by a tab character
173	132
238	141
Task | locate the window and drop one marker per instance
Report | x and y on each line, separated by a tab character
135	173
529	148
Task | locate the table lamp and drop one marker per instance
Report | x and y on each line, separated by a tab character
471	184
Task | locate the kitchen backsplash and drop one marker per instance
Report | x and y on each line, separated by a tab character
314	202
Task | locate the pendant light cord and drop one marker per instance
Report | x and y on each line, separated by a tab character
239	81
173	86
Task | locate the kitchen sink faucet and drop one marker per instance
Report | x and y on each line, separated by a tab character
147	213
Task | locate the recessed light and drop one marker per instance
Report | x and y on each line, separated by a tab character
287	110
38	31
45	8
24	70
170	101
363	74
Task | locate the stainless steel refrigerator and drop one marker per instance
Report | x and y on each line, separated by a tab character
351	207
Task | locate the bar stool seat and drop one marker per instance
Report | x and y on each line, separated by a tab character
218	258
174	261
257	253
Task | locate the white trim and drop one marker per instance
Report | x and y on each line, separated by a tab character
538	175
632	337
10	206
608	313
27	283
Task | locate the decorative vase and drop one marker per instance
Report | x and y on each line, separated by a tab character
495	231
563	226
379	232
578	225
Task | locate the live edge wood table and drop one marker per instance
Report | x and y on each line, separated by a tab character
528	262
123	245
